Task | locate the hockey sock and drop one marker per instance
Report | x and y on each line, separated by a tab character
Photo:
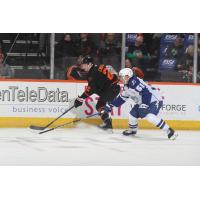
133	125
160	123
105	117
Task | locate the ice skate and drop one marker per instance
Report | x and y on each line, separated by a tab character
129	132
107	125
171	134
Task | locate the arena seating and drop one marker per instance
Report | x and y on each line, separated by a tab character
23	55
166	40
166	64
189	39
130	38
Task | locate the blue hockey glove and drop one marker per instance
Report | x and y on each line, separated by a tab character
143	110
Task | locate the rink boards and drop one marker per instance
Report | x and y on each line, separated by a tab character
26	102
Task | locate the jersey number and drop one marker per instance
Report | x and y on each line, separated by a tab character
104	70
140	87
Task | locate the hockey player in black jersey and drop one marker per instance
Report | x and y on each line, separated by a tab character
102	83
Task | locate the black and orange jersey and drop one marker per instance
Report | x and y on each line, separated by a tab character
99	80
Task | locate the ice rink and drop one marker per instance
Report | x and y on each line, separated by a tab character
88	145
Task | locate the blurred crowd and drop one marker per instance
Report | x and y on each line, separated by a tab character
159	57
104	48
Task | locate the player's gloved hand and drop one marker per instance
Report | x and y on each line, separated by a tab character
108	108
78	102
143	110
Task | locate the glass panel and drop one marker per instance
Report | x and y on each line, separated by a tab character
24	55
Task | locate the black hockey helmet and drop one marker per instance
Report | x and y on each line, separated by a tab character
87	60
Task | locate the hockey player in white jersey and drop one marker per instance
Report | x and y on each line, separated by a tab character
147	103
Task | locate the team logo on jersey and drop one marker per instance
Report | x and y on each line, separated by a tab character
133	82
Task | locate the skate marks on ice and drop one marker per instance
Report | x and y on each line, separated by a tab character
88	145
149	138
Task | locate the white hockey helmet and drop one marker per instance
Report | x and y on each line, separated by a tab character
125	74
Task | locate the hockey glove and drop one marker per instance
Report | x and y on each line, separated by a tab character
108	108
78	102
143	110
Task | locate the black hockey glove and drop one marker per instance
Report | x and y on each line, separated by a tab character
78	102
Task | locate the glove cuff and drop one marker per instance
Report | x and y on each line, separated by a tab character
83	96
143	106
80	99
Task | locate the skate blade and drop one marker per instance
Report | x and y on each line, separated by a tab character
173	137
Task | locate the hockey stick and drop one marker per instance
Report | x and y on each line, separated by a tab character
62	125
40	128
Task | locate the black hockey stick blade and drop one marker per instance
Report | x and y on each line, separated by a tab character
46	131
39	128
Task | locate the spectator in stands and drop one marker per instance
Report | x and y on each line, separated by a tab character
199	45
138	52
75	72
198	50
1	46
85	46
154	44
185	64
66	47
128	63
65	52
5	69
110	46
110	50
138	72
176	50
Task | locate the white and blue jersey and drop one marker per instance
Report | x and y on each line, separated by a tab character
146	98
136	87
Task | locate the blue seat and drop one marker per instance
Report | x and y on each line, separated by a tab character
167	64
130	38
168	38
163	50
189	39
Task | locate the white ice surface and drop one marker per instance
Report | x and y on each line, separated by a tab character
88	145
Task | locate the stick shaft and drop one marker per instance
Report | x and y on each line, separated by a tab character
74	121
59	117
